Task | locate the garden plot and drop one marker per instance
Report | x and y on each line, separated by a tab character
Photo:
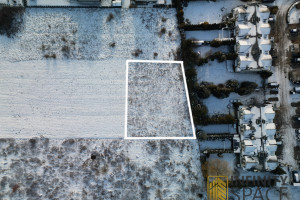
93	34
224	106
157	101
120	169
207	35
215	144
62	99
221	72
218	129
209	11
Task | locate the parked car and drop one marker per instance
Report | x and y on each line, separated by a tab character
271	20
294	31
296	60
297	131
292	92
296	82
273	85
297	89
295	176
274	91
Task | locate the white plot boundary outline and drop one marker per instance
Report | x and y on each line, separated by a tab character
187	96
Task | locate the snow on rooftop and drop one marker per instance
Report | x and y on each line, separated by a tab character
248	142
250	159
270	126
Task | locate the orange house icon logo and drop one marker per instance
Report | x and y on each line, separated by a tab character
217	187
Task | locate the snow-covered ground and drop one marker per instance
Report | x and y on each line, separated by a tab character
207	35
215	144
62	99
209	11
86	34
224	106
66	98
221	72
122	169
294	16
157	102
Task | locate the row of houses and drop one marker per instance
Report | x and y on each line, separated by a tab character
256	143
253	44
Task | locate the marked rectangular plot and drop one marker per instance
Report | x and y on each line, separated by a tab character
157	103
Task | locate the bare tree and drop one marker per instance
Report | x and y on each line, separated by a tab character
216	167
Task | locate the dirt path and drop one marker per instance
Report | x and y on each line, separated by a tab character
289	139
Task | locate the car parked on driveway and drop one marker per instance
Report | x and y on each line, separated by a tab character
295	177
273	85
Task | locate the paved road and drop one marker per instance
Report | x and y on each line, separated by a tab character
289	139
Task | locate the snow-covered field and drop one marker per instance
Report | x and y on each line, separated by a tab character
62	99
157	102
86	34
122	169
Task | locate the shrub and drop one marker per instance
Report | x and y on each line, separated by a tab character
65	49
202	92
232	84
201	135
112	44
231	56
273	10
8	24
15	188
109	17
278	171
199	113
155	54
265	74
163	19
221	93
137	52
191	74
170	33
189	57
50	56
220	119
247	88
63	39
162	31
218	43
180	16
